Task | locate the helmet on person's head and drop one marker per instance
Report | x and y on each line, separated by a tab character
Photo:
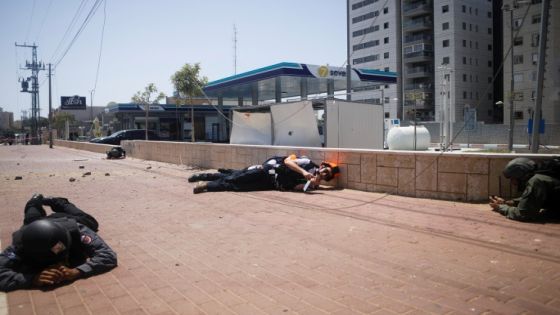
330	170
520	169
44	242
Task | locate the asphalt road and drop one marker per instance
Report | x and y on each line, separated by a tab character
328	252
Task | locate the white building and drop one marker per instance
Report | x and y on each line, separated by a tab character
525	61
417	38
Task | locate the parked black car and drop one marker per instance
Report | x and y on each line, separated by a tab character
130	134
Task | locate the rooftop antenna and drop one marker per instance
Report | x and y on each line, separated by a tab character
234	49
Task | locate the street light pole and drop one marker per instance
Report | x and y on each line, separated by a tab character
540	77
50	111
511	116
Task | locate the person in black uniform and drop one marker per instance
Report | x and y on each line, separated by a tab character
54	249
277	173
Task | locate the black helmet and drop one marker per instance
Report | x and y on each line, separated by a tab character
44	242
520	168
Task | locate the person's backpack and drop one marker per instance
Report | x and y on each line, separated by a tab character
550	167
116	153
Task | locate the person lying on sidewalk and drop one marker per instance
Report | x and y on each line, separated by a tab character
290	173
541	193
54	249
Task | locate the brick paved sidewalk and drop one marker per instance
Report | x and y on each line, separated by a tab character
329	252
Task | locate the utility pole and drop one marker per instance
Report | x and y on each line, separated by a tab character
540	77
50	110
234	49
509	8
348	66
35	67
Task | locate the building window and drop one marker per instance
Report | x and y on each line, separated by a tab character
465	95
445	60
518	59
464	26
385	55
446	43
387	115
445	9
534	76
364	31
489	30
517	23
365	59
518	114
464	43
489	63
535	58
489	79
464	9
386	25
476	45
386	69
518	77
536	19
464	60
535	40
445	26
364	17
386	40
385	10
372	43
489	14
464	77
489	47
518	41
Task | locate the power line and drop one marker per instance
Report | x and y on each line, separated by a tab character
82	27
91	13
30	21
100	48
43	22
69	27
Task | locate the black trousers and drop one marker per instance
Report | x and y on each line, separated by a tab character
61	207
241	180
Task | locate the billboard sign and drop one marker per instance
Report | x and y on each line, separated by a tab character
73	102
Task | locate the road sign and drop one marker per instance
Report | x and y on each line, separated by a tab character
470	119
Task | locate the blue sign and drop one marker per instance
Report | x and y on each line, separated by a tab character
530	126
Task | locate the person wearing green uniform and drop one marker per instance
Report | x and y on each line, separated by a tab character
540	197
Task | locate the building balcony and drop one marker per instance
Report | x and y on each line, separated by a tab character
419	105
418	56
418	39
417	8
419	72
417	25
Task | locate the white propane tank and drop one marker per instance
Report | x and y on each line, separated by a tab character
402	138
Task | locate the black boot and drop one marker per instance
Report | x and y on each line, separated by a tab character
207	177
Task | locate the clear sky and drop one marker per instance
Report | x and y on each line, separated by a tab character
147	41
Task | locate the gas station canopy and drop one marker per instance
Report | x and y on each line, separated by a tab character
288	79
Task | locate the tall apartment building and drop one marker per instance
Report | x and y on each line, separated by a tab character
6	119
525	61
439	48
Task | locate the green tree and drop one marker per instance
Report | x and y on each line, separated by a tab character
189	83
147	97
60	119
